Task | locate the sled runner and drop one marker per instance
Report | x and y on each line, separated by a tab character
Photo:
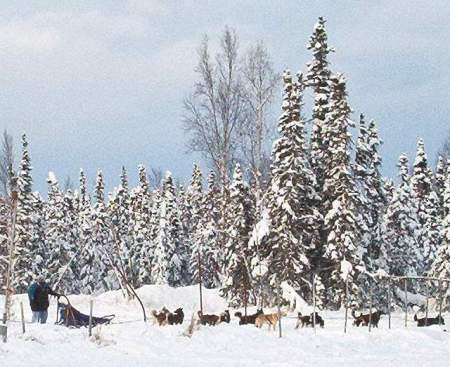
69	316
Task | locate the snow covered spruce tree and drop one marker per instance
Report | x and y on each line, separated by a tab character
193	229
167	266
136	257
440	176
94	274
26	254
237	285
206	236
291	201
60	250
317	77
340	195
400	225
119	213
373	202
441	265
426	204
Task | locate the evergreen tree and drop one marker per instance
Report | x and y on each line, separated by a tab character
95	274
440	177
341	221
197	212
206	236
141	252
441	265
237	283
60	249
317	77
400	225
25	249
119	212
167	264
292	240
373	200
421	186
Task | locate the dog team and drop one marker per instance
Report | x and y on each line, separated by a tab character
259	319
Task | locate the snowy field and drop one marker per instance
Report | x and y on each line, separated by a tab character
137	344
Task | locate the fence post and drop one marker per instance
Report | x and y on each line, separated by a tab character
346	304
200	279
22	317
440	301
426	305
279	311
313	284
406	302
370	306
389	302
91	306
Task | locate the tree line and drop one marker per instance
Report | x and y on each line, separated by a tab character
318	204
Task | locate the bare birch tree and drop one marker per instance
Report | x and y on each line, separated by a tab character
260	82
6	162
216	109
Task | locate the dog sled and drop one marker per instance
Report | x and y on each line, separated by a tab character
69	316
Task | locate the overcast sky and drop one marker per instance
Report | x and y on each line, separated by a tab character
100	84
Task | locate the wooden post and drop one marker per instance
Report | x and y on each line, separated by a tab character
200	278
346	305
22	317
279	312
426	305
313	284
406	302
370	306
389	302
11	240
4	333
440	301
91	306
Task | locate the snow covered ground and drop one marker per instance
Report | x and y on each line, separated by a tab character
137	344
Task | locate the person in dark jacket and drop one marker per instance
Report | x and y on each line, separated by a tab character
38	293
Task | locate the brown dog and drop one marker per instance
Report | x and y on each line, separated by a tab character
160	318
213	320
270	319
363	320
210	320
249	319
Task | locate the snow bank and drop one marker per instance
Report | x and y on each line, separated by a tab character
138	344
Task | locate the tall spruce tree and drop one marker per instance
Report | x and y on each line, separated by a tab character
167	266
342	197
292	240
318	78
95	270
25	249
237	285
60	250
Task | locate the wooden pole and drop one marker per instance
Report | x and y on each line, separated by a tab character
22	317
200	279
440	301
406	302
389	302
426	305
313	284
370	306
91	306
11	241
346	305
279	312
